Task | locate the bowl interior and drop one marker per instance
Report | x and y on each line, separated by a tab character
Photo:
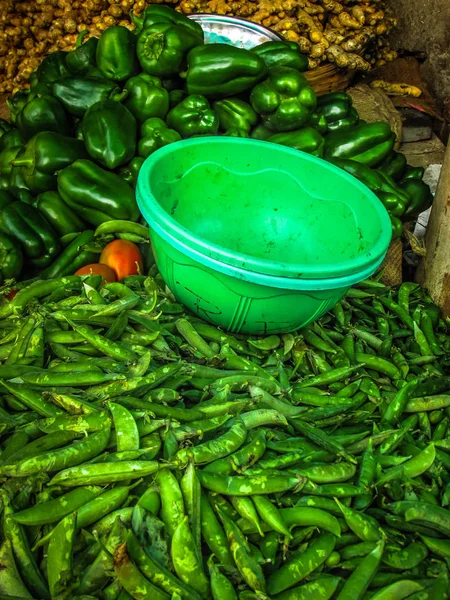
273	209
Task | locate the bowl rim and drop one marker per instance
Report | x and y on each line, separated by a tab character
155	214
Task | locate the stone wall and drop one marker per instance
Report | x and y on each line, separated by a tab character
424	25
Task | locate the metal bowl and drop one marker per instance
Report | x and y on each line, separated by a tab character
220	29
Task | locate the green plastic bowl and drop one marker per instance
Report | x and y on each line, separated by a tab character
257	237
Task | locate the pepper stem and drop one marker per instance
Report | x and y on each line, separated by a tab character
22	162
81	37
120	97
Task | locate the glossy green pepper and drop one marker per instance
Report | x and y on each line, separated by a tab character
52	68
282	54
25	224
397	228
175	97
46	154
6	198
306	139
96	195
11	138
410	172
58	214
11	258
394	165
110	133
43	114
220	70
338	111
6	157
78	94
261	133
317	121
350	120
162	48
155	134
146	97
392	196
82	59
156	13
130	172
284	100
5	126
235	114
16	103
420	196
116	53
193	116
367	143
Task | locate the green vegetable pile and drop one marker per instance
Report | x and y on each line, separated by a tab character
147	454
77	139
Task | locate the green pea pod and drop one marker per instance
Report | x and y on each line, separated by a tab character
356	585
245	507
270	514
104	473
24	558
11	584
131	578
172	510
221	587
186	561
248	567
55	510
319	589
213	533
408	558
364	526
191	489
302	565
59	557
125	426
248	486
54	460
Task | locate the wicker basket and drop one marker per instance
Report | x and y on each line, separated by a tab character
392	264
329	78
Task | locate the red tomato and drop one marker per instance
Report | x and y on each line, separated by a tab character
97	269
123	257
12	293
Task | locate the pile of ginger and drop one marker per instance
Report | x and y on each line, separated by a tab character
348	33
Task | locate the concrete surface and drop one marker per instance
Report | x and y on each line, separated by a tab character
424	26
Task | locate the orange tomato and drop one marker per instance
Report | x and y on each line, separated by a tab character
97	269
123	257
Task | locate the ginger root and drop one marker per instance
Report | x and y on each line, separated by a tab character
396	89
348	60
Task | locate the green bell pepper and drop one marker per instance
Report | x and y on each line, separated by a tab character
78	94
284	100
367	143
11	138
220	70
43	114
175	97
116	53
6	198
46	154
235	114
156	13
96	195
397	228
52	68
130	172
16	103
394	165
11	258
5	126
420	196
193	116
25	224
58	214
162	48
282	54
110	133
306	139
261	133
155	134
83	58
350	120
410	173
146	97
6	157
317	121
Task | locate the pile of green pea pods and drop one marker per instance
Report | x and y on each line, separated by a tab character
146	454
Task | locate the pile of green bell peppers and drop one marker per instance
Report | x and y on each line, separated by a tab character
71	153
